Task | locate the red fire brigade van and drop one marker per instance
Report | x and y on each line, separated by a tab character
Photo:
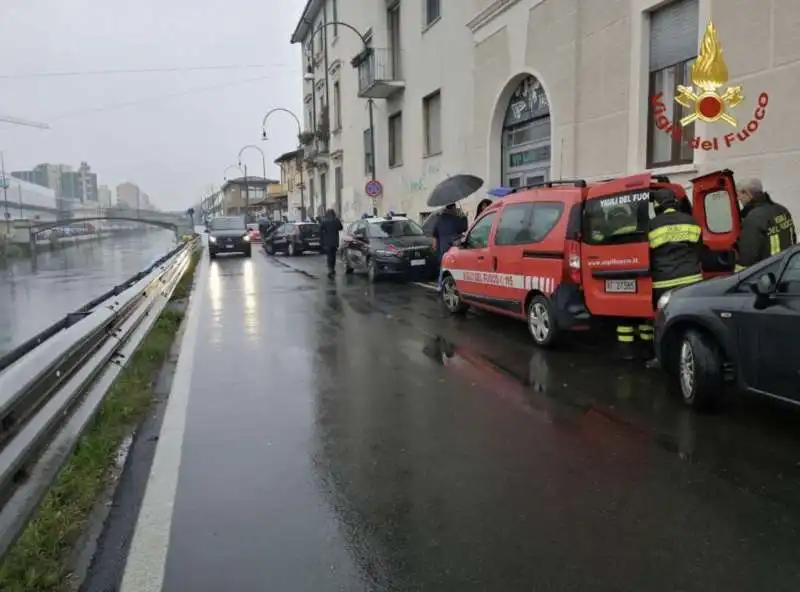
562	254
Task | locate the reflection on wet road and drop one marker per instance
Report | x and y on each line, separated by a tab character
65	280
342	436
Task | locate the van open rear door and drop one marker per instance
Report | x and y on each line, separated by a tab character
615	254
715	206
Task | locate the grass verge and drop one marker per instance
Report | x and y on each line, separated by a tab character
184	287
40	559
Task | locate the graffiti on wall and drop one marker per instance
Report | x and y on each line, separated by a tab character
428	178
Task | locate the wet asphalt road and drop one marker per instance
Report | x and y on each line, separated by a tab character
342	436
64	280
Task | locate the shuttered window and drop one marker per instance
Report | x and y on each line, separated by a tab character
674	34
674	38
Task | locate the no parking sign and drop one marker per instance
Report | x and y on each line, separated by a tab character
373	188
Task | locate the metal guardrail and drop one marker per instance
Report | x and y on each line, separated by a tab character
51	386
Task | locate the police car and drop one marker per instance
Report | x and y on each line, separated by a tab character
388	246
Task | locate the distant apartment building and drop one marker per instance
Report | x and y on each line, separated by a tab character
70	187
80	185
45	175
129	195
105	196
291	177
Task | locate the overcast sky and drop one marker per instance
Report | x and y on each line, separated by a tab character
173	147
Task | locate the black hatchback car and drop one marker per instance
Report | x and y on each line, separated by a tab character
228	234
390	246
748	323
293	238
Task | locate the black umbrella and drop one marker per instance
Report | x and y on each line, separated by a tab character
454	189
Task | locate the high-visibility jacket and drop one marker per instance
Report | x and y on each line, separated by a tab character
676	243
767	229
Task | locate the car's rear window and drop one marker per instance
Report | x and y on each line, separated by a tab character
228	223
617	219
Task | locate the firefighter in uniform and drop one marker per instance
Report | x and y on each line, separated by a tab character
767	227
676	243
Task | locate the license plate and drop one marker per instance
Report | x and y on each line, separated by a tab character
417	262
313	243
229	246
621	286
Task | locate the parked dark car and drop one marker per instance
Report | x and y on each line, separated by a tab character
389	246
228	234
745	326
293	238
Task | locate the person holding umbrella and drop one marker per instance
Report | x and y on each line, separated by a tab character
450	222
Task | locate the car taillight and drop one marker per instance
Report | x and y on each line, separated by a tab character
392	249
574	261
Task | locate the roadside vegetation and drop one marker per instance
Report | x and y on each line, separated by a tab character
40	560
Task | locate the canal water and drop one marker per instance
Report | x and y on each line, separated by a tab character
63	281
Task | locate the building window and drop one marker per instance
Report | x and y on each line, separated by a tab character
393	23
367	151
673	49
432	115
396	139
432	12
337	106
338	184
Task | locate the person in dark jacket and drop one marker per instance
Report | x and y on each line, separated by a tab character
767	227
450	224
676	251
329	239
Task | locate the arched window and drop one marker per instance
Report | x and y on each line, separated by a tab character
526	135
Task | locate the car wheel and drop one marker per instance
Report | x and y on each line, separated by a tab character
290	251
452	297
248	253
212	255
541	321
700	370
270	249
372	271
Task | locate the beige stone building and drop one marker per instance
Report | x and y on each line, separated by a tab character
517	91
294	184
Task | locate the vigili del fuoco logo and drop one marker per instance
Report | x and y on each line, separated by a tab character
709	101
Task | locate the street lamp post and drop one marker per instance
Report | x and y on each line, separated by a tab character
263	173
299	162
365	54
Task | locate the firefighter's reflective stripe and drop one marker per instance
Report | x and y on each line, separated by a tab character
626	333
674	233
678	282
739	268
774	244
625	230
646	332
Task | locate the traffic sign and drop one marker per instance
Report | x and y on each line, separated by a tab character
374	188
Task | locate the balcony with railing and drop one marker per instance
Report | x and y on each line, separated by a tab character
380	73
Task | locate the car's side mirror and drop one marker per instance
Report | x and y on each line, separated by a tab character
458	241
765	285
206	230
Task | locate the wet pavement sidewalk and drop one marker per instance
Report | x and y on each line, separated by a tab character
342	436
